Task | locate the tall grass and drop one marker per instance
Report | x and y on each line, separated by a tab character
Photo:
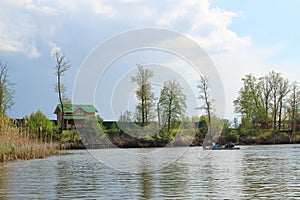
19	144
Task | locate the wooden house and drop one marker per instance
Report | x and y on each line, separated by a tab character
74	114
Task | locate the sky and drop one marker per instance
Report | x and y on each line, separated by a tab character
240	37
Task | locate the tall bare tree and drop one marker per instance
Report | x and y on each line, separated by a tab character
62	65
6	90
144	94
206	97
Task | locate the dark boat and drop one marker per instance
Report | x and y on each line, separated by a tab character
225	147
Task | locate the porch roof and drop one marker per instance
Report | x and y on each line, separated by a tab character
75	117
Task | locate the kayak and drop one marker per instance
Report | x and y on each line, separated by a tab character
221	148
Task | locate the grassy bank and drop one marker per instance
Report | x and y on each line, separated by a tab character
16	145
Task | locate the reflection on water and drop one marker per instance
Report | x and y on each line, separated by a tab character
275	172
250	173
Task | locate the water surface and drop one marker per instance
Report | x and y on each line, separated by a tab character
270	172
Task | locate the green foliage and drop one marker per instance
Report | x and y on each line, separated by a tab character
247	128
203	124
100	122
171	104
248	102
93	126
38	124
229	134
233	136
114	128
267	101
145	95
7	148
69	136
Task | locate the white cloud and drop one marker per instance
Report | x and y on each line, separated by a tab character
208	26
54	48
43	9
17	32
23	23
100	8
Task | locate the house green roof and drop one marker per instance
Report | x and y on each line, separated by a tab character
73	107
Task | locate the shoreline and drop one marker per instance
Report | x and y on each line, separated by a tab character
157	144
22	148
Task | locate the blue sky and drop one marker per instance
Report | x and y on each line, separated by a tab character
241	37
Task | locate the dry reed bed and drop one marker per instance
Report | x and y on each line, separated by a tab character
16	145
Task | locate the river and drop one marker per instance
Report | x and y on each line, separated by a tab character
253	172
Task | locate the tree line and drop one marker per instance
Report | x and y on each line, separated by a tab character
169	109
269	102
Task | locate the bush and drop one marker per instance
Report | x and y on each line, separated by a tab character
70	136
233	136
39	125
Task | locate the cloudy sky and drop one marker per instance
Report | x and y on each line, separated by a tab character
241	37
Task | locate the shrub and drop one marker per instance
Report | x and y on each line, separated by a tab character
39	125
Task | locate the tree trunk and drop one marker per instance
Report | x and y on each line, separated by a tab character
280	115
143	107
169	112
62	122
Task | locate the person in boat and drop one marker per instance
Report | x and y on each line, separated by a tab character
215	145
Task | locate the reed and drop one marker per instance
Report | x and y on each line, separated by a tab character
19	144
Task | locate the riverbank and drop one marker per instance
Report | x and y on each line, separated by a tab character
264	138
21	146
270	138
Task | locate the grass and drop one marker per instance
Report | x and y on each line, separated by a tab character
16	144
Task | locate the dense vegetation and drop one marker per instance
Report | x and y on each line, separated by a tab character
28	141
268	108
31	140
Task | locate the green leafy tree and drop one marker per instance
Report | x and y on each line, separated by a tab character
263	100
265	97
144	94
229	134
279	90
171	103
6	90
39	125
249	103
114	128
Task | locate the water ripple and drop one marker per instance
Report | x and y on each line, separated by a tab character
254	172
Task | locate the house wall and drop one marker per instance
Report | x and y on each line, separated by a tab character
70	123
